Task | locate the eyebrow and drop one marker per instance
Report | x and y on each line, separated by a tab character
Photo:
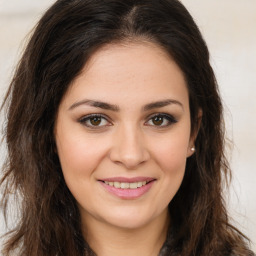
96	104
162	103
115	108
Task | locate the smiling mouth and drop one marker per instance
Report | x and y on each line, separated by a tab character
128	188
126	185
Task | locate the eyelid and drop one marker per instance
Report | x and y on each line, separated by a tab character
85	118
171	119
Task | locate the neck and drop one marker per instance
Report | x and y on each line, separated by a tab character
107	240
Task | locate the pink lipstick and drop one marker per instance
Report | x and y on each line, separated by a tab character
128	188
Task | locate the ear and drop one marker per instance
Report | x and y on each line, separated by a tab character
191	145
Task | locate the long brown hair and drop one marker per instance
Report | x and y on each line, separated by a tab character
63	40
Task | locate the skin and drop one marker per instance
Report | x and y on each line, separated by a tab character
127	142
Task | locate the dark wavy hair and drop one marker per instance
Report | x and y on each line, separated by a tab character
64	39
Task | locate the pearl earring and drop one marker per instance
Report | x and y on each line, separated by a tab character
193	149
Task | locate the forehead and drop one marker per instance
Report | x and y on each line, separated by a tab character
128	71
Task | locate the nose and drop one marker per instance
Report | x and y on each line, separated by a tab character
129	148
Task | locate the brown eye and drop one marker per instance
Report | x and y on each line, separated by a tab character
158	120
161	120
95	121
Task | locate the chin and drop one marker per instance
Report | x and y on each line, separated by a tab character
131	218
129	222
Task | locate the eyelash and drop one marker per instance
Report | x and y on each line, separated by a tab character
169	118
166	117
87	118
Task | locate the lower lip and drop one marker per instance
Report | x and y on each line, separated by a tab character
128	193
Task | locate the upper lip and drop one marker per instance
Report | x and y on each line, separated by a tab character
128	180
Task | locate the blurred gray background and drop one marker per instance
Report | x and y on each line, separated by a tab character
228	27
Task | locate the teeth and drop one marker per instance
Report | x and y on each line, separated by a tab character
117	184
133	185
126	185
139	184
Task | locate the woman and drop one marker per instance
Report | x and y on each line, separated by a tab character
115	135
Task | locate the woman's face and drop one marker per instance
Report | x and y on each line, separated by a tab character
123	135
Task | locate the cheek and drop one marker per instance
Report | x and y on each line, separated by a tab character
172	162
171	153
171	156
172	159
78	156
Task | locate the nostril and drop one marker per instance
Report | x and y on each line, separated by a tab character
129	150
